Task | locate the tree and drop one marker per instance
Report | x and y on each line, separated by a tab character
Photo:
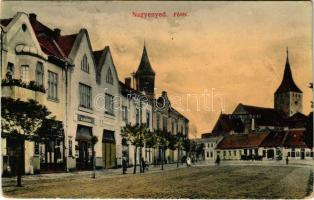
179	145
94	140
200	149
193	149
162	142
20	121
187	145
135	134
151	141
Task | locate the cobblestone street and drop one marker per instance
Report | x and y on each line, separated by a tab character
200	181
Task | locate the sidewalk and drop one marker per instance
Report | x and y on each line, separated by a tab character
101	172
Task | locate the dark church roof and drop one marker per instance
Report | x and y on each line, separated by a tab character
263	116
227	123
287	83
145	66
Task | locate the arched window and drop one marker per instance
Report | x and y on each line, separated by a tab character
109	78
84	64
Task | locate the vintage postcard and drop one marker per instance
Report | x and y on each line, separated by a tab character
157	99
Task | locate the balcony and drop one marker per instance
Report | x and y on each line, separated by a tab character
16	89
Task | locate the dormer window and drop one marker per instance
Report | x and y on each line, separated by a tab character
84	64
109	78
24	27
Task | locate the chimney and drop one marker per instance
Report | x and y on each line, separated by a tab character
128	81
32	17
57	32
253	124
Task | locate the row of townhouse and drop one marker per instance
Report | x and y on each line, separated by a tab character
271	145
82	89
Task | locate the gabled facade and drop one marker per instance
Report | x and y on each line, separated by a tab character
81	88
33	68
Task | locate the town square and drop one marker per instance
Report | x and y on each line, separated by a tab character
211	100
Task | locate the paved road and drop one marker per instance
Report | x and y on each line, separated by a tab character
154	169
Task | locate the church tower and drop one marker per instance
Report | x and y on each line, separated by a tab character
145	75
288	97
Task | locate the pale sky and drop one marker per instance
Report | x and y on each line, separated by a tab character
237	49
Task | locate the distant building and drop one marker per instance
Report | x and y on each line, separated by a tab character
210	145
286	114
252	132
274	145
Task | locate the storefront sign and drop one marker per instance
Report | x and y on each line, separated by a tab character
87	119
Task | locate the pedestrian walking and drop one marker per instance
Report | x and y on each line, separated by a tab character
124	165
217	160
287	160
142	165
188	161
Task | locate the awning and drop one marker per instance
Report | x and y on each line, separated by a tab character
51	129
84	133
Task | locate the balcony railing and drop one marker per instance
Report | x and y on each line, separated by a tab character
17	89
18	82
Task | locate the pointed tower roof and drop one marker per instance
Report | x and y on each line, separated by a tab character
145	66
287	83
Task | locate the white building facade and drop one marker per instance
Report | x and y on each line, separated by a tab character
80	87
